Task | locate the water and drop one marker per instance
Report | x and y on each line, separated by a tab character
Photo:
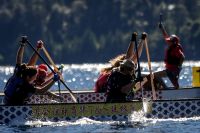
82	77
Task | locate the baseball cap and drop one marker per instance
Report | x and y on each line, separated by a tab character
173	38
43	67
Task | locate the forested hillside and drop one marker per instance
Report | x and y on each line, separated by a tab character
92	31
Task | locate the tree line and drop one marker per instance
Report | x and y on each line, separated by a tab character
92	31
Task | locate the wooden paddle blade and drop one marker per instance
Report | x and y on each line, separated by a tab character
150	70
50	59
56	69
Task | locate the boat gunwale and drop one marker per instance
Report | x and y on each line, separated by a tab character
38	104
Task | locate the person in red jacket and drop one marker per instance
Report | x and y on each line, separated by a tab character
174	57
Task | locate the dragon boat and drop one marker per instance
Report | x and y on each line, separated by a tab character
68	111
169	103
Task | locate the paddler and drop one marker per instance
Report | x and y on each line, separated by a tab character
174	57
21	85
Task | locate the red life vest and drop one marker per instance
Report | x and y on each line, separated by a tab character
100	85
171	59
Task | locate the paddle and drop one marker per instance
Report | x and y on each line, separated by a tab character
130	54
61	70
72	95
161	18
147	104
144	37
139	77
161	27
49	58
53	64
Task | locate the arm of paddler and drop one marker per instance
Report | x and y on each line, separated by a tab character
140	48
44	87
48	84
127	88
51	74
138	85
20	51
163	30
130	50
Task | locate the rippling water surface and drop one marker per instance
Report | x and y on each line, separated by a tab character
82	77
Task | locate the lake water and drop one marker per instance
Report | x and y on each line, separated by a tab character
82	77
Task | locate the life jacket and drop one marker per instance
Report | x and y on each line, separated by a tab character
114	84
101	83
173	60
12	86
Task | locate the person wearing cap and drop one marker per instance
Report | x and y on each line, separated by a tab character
20	85
43	76
121	81
174	57
42	68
